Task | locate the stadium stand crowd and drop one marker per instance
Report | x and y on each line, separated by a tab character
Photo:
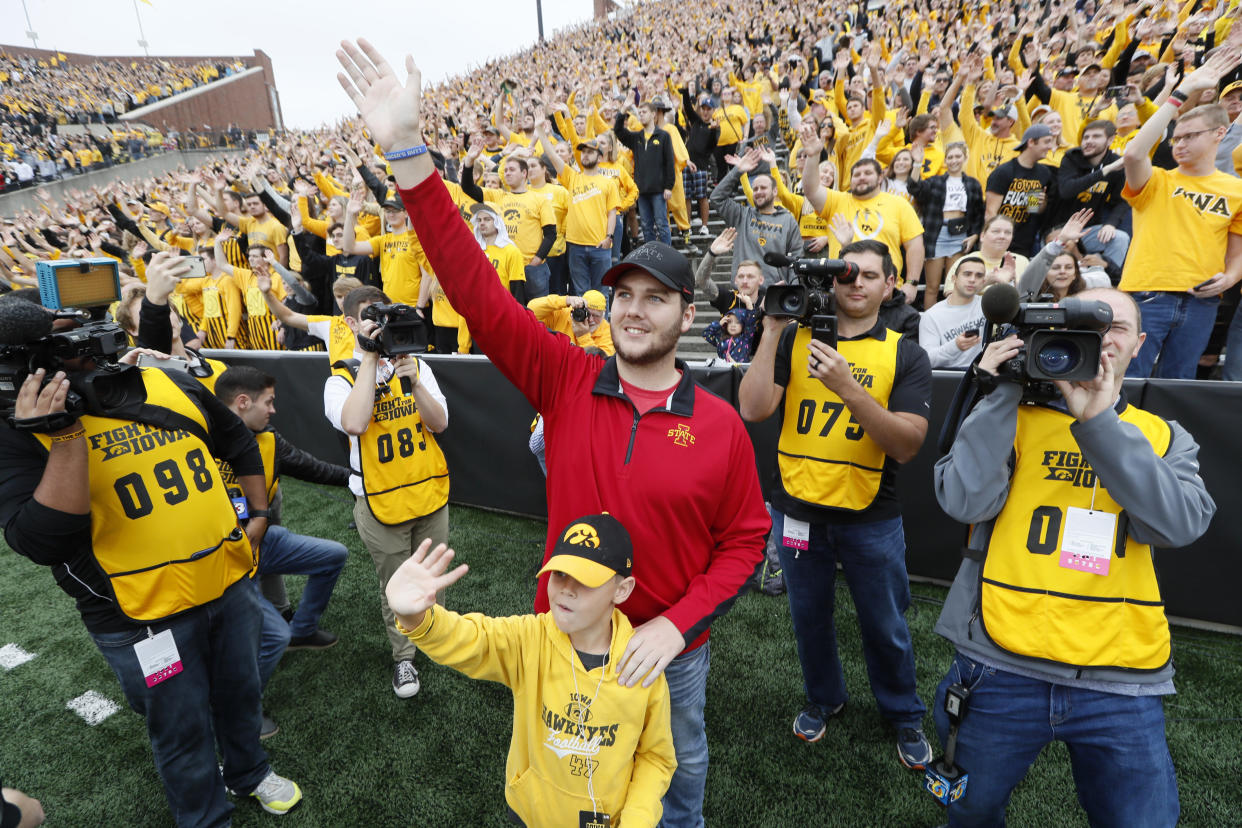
1055	147
39	95
764	77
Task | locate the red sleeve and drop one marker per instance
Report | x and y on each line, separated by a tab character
532	358
739	528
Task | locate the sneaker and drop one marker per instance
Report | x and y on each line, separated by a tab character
318	640
810	724
705	230
686	237
276	794
695	222
912	748
405	680
269	728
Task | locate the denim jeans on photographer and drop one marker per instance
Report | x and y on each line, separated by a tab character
213	702
687	691
1177	326
873	560
287	553
1121	764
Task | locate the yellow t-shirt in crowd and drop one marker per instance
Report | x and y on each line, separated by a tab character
559	197
590	199
268	233
1181	228
732	120
884	217
401	262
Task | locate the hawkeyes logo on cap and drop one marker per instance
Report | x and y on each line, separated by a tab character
582	534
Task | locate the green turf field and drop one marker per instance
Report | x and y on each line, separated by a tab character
365	757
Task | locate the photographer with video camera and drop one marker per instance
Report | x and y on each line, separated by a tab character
110	481
854	400
388	402
1056	613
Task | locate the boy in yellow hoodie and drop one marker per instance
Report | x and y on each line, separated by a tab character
585	750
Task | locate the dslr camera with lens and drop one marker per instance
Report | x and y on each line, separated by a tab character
82	290
811	301
401	330
580	314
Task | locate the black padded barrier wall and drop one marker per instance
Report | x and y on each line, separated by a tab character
492	467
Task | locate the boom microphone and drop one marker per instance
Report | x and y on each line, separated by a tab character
838	269
1001	303
23	321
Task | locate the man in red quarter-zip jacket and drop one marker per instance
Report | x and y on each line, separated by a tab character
631	435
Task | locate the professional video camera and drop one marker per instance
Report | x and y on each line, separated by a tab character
810	302
401	330
1061	340
81	290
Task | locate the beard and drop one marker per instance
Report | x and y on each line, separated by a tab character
661	344
864	190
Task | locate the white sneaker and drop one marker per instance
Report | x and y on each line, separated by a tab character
405	680
276	794
704	231
695	222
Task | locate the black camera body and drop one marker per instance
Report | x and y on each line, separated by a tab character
810	302
1060	341
579	314
70	289
401	330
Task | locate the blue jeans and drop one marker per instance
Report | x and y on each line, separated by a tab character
587	266
213	701
558	266
282	552
1233	348
618	238
537	279
1121	764
687	690
653	216
873	558
1177	326
1116	249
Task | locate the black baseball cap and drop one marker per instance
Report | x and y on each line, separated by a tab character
392	204
659	260
591	550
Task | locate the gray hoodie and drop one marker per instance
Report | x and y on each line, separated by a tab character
757	233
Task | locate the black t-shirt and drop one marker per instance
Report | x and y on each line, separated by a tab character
1026	195
912	383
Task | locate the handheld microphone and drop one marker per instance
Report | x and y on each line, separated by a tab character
23	321
1001	303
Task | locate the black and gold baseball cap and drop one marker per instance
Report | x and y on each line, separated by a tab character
592	549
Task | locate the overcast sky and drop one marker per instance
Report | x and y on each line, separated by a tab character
300	37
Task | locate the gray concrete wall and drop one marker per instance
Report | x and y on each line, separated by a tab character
10	203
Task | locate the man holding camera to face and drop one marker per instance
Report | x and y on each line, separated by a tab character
391	407
1055	611
852	410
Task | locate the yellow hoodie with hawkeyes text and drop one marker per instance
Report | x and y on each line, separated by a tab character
618	736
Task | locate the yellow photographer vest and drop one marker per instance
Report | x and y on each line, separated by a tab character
404	473
825	457
162	528
267	448
1030	604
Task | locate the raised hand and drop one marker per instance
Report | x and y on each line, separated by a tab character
723	243
389	107
1074	227
412	589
